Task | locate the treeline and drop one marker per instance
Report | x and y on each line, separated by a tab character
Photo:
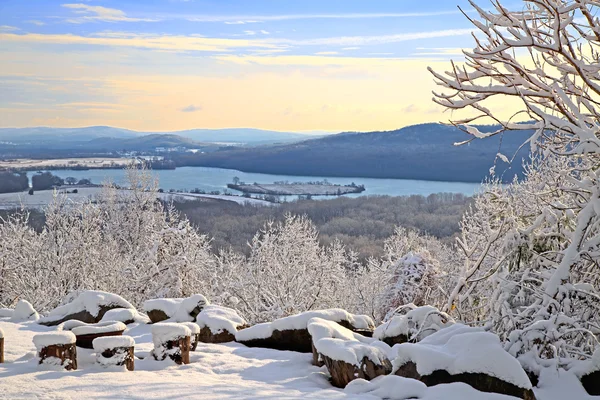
11	182
362	223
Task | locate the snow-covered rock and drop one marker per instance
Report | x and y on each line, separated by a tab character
291	333
588	372
219	324
412	324
175	309
89	306
24	311
346	354
462	354
6	312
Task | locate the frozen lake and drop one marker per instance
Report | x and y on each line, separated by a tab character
213	179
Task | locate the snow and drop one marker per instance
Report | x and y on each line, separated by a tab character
219	319
177	309
258	331
336	342
123	315
351	352
168	306
300	321
112	342
194	328
187	305
90	301
54	338
320	328
462	349
24	311
100	327
220	371
417	323
6	312
70	324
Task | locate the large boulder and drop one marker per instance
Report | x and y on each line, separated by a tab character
291	333
463	354
589	373
346	354
410	323
175	309
89	307
219	324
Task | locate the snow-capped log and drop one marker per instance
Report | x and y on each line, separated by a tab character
347	355
86	333
177	310
320	328
348	360
115	351
24	311
291	333
56	349
463	354
195	334
1	346
171	340
89	306
412	324
219	324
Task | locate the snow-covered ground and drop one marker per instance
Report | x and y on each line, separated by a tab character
218	371
42	198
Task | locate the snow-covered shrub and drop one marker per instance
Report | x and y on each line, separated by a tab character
536	261
287	272
24	311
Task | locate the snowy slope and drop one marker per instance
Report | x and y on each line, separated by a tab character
217	371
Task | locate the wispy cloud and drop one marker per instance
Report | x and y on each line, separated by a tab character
190	108
326	53
144	41
438	51
36	22
86	13
248	19
375	40
8	28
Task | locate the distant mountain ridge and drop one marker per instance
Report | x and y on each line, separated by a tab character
424	152
65	136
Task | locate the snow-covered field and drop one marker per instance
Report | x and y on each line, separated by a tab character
218	371
98	162
42	198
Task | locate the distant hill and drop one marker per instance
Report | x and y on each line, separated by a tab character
424	152
142	143
64	137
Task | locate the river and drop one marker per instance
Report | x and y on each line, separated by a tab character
213	179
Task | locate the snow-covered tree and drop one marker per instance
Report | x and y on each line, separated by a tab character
542	257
